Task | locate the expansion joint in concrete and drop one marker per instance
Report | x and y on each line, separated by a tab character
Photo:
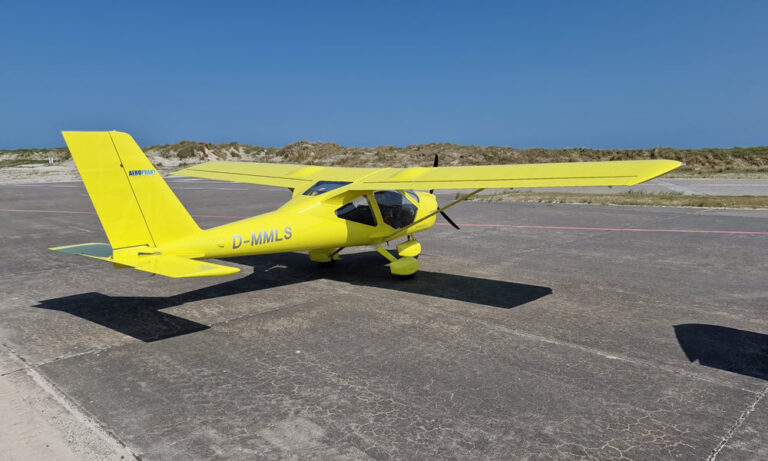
739	421
70	406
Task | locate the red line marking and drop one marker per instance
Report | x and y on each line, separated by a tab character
614	229
93	212
506	226
48	211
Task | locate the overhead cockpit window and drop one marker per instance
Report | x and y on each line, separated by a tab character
358	210
412	194
396	210
322	187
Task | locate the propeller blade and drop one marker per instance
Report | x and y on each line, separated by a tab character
434	165
450	221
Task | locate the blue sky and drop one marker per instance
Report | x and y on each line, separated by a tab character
602	74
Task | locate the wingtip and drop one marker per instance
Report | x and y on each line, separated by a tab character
668	165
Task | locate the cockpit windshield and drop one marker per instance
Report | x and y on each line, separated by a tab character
322	187
412	194
396	210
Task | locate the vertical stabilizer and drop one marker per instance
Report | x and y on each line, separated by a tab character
134	204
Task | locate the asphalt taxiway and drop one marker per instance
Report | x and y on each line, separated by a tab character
537	331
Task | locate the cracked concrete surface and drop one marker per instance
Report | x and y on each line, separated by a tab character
510	343
40	423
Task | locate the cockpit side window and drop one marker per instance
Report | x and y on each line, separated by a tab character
358	210
322	187
396	210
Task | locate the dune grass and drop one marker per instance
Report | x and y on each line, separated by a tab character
736	161
5	163
631	198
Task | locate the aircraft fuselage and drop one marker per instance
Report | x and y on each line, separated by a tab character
299	225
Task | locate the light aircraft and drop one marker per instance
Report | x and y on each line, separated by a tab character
331	209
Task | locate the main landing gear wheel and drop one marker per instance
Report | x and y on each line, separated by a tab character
405	266
410	248
325	257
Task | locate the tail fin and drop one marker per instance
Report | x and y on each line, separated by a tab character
134	204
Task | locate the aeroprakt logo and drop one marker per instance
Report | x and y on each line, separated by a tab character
141	172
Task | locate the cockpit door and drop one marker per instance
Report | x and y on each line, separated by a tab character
396	210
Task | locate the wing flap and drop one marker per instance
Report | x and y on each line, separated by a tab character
273	174
249	173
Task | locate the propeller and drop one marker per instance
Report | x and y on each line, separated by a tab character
450	221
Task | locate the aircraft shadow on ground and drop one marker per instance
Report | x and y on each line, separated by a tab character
142	317
369	269
138	317
729	349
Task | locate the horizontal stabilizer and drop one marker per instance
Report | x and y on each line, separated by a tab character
167	265
92	250
177	267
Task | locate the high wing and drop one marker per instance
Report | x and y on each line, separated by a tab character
622	173
617	173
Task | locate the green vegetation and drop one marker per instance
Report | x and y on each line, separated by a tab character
630	198
19	162
201	150
19	157
736	161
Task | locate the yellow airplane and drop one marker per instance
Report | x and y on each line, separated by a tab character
331	208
